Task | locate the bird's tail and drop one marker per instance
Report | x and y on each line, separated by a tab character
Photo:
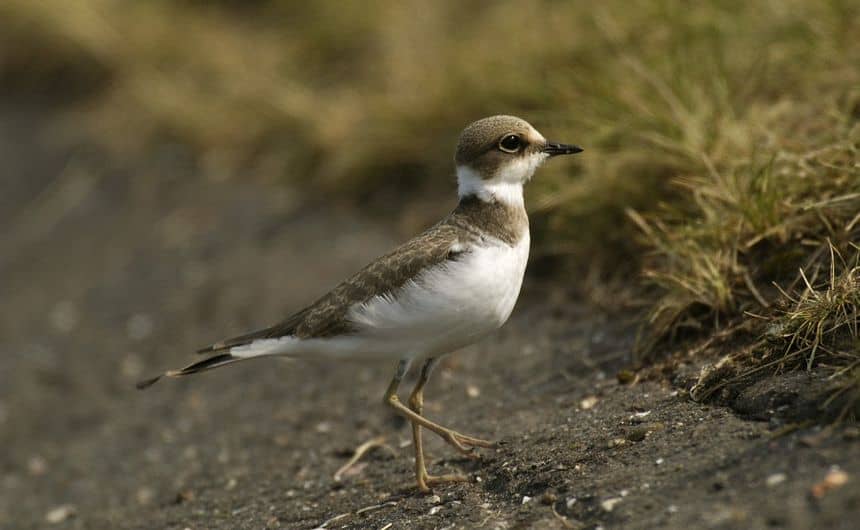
215	361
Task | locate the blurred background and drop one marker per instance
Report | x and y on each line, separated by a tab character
169	165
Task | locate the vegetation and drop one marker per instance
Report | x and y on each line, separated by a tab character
721	139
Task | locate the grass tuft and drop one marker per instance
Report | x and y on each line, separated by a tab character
815	328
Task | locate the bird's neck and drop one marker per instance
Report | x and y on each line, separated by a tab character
470	183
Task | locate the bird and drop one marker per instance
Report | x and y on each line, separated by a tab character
444	289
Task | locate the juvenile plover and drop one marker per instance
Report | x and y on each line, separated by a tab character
442	290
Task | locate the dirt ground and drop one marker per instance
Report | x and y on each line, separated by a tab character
109	275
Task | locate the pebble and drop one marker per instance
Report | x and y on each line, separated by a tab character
526	499
434	510
588	402
625	377
609	504
60	513
836	478
637	434
145	495
775	479
472	391
184	496
37	466
435	499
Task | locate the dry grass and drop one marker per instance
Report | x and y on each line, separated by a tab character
721	139
817	328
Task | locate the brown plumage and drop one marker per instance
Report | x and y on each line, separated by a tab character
472	220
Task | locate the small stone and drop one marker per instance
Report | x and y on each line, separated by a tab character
231	484
548	498
472	391
775	479
434	510
184	496
659	461
836	478
144	496
433	500
609	504
625	377
37	466
672	509
588	402
526	499
60	513
637	434
570	502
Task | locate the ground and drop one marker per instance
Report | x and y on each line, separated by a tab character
112	274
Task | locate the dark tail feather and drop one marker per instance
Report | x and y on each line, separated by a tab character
200	366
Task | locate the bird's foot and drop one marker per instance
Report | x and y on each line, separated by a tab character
465	444
426	482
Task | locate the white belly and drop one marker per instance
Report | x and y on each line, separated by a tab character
443	309
447	307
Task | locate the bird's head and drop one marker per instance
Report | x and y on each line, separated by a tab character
497	155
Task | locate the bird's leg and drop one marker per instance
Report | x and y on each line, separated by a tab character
416	404
459	441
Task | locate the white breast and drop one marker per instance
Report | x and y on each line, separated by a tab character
449	306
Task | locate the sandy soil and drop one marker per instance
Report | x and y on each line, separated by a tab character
108	275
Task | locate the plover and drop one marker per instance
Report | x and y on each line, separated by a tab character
442	290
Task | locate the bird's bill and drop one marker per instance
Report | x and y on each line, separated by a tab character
554	149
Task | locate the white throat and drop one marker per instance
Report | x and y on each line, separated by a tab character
506	185
469	182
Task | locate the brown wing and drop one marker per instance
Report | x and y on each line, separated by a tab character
327	316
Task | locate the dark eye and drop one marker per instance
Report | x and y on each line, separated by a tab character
510	143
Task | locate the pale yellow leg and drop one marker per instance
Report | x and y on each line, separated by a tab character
416	404
461	442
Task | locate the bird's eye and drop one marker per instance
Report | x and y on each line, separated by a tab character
510	143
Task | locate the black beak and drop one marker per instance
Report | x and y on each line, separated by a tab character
553	149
